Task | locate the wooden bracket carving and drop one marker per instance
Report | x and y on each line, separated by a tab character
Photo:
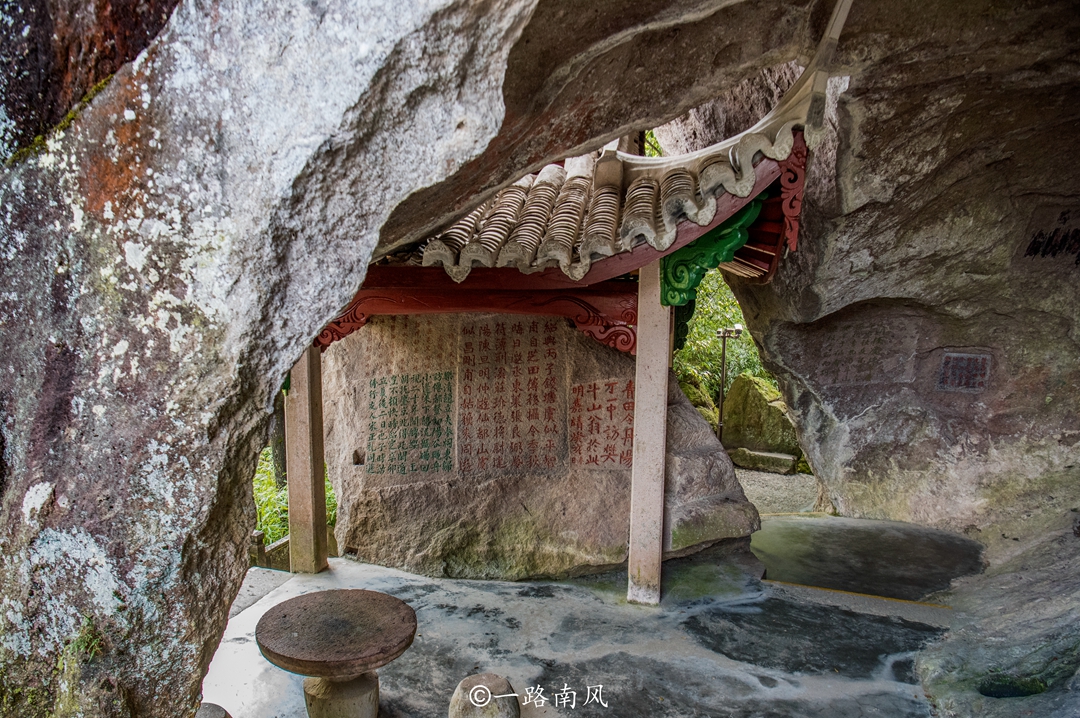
682	272
792	186
622	337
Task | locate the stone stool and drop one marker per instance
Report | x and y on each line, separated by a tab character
338	638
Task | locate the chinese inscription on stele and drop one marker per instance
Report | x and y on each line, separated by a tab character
512	396
964	372
602	424
410	429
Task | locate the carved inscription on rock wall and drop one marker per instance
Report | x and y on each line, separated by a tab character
602	424
410	429
867	354
1053	232
511	396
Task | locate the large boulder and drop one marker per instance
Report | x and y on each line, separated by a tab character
921	332
172	245
756	418
442	467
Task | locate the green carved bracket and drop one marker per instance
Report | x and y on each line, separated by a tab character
682	271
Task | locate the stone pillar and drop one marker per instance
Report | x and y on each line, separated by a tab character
650	439
305	467
356	697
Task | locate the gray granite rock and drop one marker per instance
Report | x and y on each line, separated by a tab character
924	332
167	256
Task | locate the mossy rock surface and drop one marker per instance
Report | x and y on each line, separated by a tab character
711	415
699	397
696	393
755	418
771	462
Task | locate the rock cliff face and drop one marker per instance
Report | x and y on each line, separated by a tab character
926	331
172	246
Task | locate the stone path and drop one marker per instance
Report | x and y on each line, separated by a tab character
721	644
778	493
257	583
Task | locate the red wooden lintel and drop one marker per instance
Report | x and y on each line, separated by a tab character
607	311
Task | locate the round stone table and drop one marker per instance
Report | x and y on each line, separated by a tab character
338	638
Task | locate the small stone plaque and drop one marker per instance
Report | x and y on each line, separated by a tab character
964	372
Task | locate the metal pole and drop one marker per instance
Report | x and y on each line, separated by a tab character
723	334
723	386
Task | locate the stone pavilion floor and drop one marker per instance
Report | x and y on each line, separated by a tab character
722	643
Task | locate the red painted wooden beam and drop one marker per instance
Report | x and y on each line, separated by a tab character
607	311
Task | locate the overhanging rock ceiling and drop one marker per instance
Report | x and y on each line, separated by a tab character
604	204
579	225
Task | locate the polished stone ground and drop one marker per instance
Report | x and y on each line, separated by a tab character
723	643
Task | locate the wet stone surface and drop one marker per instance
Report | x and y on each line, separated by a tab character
722	643
799	638
880	558
645	686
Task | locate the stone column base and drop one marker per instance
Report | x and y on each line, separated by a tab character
356	697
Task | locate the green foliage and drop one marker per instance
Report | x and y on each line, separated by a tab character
331	502
652	145
88	643
699	359
272	503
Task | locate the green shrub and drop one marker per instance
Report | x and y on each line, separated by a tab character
699	359
272	503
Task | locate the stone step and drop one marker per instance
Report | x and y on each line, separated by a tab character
763	461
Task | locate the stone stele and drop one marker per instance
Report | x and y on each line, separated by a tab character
499	446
